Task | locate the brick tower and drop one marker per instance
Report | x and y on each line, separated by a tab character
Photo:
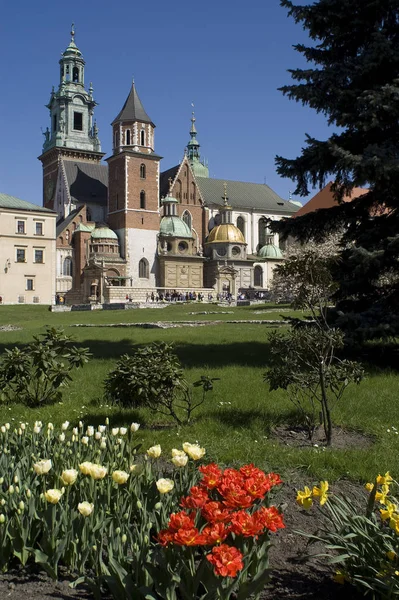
73	135
133	190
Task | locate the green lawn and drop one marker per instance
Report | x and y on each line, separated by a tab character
235	422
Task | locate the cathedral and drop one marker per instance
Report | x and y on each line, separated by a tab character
127	230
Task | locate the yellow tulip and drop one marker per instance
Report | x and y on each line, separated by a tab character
154	451
53	496
42	467
164	485
85	467
180	460
321	492
98	472
304	498
85	508
69	476
120	477
193	450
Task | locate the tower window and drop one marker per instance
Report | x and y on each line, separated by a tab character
75	76
187	218
144	271
241	225
128	137
78	121
142	199
142	137
67	76
142	171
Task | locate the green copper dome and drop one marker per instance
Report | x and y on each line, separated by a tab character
175	227
104	233
270	251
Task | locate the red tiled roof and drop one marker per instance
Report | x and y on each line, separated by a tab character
325	199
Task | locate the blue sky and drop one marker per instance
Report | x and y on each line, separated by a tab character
228	58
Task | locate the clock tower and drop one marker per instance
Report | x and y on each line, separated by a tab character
73	133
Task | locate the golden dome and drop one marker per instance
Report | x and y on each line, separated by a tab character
226	232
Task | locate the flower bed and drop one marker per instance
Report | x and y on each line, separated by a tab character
81	499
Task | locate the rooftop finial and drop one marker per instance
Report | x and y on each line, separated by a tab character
225	194
170	181
133	80
73	32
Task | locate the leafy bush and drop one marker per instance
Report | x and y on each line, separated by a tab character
361	538
36	374
153	377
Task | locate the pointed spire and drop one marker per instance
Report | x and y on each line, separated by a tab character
73	32
133	110
192	150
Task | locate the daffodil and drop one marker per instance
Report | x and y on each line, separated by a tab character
381	496
304	498
321	492
394	522
384	479
389	510
339	577
391	555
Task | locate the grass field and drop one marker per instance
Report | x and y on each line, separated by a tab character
236	420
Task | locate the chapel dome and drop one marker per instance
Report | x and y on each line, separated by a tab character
226	232
104	232
270	251
174	226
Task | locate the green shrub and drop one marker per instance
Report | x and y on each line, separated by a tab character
153	377
36	374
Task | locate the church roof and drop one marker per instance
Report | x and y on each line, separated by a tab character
325	199
244	195
87	182
7	201
165	176
133	109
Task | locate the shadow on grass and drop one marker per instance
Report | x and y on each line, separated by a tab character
243	418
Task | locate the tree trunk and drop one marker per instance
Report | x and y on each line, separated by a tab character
324	403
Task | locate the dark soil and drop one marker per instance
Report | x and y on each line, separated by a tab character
293	577
342	438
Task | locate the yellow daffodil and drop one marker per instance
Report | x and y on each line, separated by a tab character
120	477
304	498
389	510
321	492
394	522
391	555
69	476
165	485
193	450
154	451
53	496
85	508
339	577
384	479
369	487
42	467
381	496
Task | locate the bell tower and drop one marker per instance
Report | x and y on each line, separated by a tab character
133	190
73	134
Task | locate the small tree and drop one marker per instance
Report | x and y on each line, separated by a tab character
153	377
305	364
36	374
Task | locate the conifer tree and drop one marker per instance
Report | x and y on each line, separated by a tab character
353	79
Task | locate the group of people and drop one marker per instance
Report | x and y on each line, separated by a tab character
176	296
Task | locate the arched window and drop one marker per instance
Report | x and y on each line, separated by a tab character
75	75
258	277
187	219
88	214
67	267
241	225
144	270
127	137
262	231
142	199
142	171
142	137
